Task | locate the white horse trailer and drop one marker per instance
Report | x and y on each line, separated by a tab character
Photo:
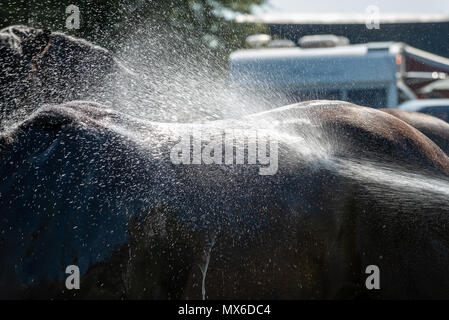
378	75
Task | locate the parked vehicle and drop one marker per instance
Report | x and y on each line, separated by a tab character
435	107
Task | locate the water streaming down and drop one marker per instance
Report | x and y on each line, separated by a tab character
204	264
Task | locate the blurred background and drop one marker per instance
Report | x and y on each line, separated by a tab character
215	23
377	53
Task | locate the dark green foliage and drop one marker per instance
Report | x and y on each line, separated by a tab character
106	22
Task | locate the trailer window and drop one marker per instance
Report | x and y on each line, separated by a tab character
375	98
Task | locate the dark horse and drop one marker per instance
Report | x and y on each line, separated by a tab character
81	184
434	128
39	66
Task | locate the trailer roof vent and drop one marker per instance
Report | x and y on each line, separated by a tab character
258	40
281	43
322	41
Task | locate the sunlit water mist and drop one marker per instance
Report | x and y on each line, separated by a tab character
304	141
170	87
172	82
299	139
387	180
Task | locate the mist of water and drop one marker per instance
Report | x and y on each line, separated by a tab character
171	82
